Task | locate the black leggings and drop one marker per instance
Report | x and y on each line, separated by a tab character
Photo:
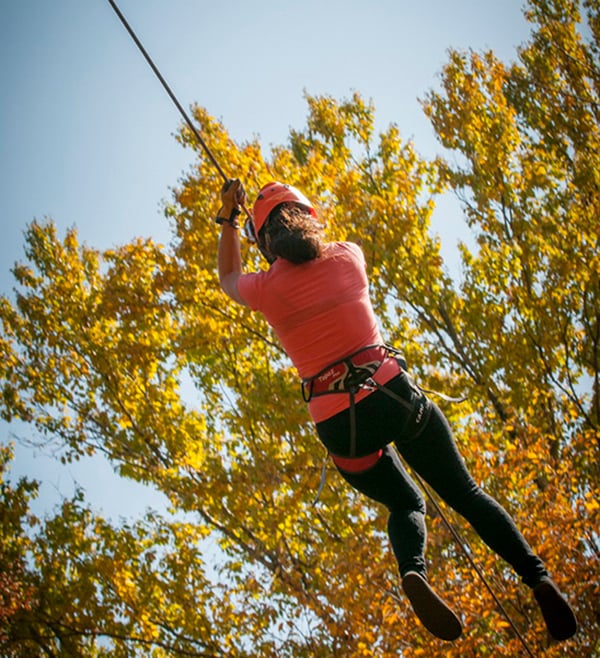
429	448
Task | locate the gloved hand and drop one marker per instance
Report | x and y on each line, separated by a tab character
233	196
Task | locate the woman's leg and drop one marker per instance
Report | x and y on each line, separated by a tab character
435	457
388	482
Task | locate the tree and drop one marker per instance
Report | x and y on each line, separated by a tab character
74	585
16	595
97	347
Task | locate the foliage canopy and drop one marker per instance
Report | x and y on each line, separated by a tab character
97	348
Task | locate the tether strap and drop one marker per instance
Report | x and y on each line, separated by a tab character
322	481
394	396
443	396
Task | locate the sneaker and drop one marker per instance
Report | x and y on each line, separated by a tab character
434	614
558	614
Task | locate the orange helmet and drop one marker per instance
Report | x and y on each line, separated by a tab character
272	195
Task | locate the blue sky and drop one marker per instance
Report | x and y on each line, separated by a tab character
86	130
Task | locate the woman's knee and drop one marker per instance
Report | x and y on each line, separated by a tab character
470	500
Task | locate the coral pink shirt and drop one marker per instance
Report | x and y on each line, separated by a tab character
321	312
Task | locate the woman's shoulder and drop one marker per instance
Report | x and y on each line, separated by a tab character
349	250
338	247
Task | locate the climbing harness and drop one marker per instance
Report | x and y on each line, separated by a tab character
348	375
172	96
355	372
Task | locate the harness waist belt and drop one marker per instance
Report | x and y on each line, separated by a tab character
347	374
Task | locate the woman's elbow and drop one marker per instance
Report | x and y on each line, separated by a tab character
229	285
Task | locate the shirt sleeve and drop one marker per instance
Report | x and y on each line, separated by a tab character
357	253
250	287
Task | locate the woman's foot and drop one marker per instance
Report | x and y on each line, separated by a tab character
558	614
434	614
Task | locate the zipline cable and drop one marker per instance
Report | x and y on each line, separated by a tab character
225	178
459	540
172	96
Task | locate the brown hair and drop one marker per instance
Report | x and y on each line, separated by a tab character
291	232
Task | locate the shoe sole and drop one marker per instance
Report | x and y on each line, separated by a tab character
558	615
433	613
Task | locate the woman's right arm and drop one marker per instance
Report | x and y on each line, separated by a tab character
229	257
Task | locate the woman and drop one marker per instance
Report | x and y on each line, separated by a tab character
315	296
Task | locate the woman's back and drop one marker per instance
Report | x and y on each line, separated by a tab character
320	310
